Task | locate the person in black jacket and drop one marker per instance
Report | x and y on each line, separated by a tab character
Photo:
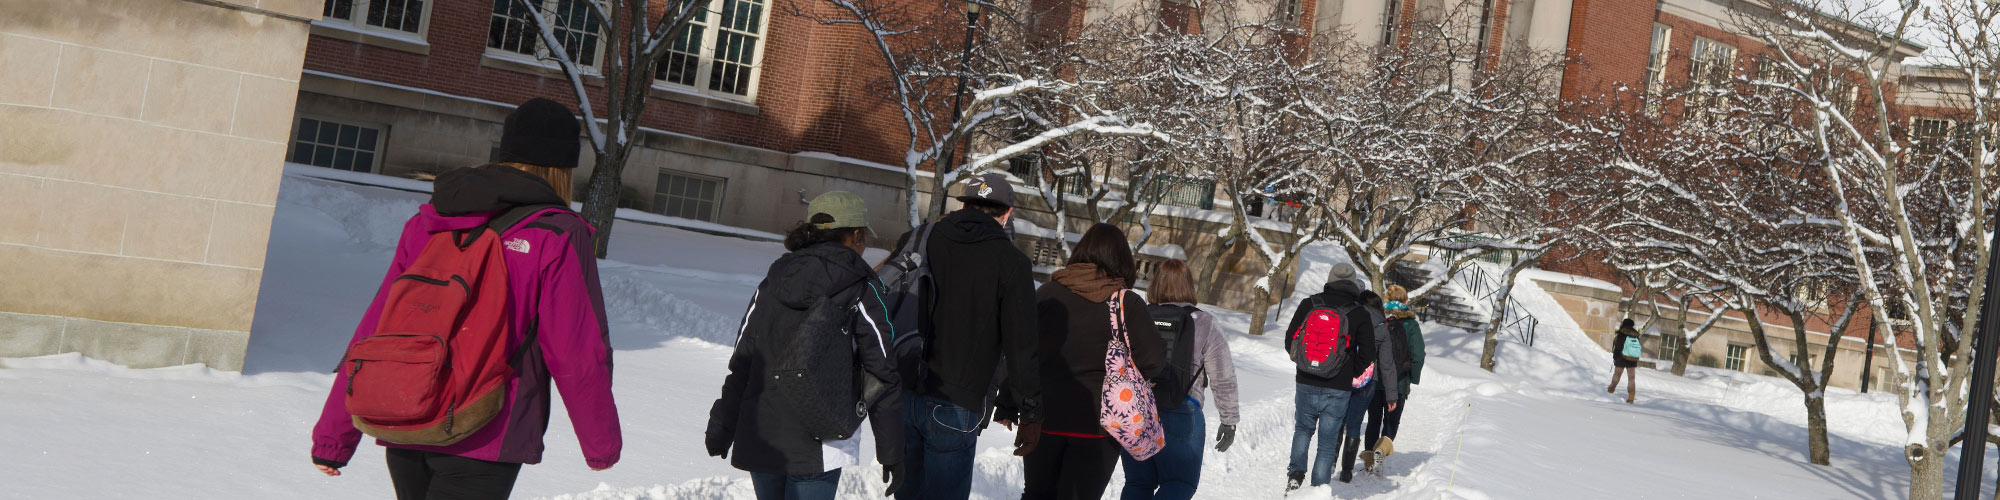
983	308
1075	458
770	440
1622	365
1321	403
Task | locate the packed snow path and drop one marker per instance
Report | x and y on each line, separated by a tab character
1540	428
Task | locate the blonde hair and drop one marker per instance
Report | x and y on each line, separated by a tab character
558	178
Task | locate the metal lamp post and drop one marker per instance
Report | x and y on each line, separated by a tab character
1972	459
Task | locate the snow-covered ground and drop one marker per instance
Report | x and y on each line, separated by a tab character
1538	428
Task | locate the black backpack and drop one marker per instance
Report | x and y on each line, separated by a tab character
907	286
1176	327
1399	334
816	373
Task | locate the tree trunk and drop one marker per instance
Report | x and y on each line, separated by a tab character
1926	474
1681	361
1816	430
600	196
1212	264
1275	294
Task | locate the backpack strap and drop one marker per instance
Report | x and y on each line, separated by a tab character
514	216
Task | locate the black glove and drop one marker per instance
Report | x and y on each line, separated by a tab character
1225	437
1026	437
718	447
892	474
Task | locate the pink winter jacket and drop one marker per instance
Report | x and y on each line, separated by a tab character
552	282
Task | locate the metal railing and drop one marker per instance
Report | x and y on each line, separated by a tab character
1517	321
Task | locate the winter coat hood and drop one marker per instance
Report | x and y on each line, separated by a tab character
1345	290
1088	281
490	188
799	278
971	226
1401	314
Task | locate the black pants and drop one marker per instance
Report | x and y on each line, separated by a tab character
1069	468
423	475
1383	422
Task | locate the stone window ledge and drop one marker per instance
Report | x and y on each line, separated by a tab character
683	96
401	42
522	64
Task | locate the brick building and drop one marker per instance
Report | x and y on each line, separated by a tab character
765	107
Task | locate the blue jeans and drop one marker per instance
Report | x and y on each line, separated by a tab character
1179	462
938	439
1324	409
819	486
1357	407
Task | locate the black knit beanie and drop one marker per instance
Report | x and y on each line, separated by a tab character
1625	325
542	133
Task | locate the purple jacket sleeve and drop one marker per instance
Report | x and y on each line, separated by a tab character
576	343
335	437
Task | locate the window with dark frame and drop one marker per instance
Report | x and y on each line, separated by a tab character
511	29
400	15
1735	358
688	196
720	54
1713	64
1670	347
336	145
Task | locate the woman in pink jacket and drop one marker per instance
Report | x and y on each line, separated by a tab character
554	298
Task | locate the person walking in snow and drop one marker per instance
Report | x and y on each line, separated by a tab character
1625	360
1321	400
558	331
1175	472
1075	457
773	439
1408	337
982	310
1369	388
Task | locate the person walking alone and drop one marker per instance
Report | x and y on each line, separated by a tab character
557	330
1625	353
1175	472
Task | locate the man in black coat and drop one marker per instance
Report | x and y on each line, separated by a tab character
983	309
1321	402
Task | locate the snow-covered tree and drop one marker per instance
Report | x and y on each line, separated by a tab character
1916	236
635	37
1013	78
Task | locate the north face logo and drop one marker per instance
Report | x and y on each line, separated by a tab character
517	245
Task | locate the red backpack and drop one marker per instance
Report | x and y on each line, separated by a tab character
1325	348
436	367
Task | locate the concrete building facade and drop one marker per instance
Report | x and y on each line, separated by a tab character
141	143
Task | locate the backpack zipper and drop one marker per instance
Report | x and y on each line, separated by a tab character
350	376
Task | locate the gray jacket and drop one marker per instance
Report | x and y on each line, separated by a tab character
1218	372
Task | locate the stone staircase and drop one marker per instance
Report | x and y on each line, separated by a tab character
1447	306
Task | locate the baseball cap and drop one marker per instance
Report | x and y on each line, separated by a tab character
847	209
989	188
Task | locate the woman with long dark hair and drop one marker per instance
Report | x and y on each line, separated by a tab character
1075	456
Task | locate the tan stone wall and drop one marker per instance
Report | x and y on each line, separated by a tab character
141	144
1596	311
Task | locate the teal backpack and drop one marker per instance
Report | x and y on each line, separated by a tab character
1631	348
